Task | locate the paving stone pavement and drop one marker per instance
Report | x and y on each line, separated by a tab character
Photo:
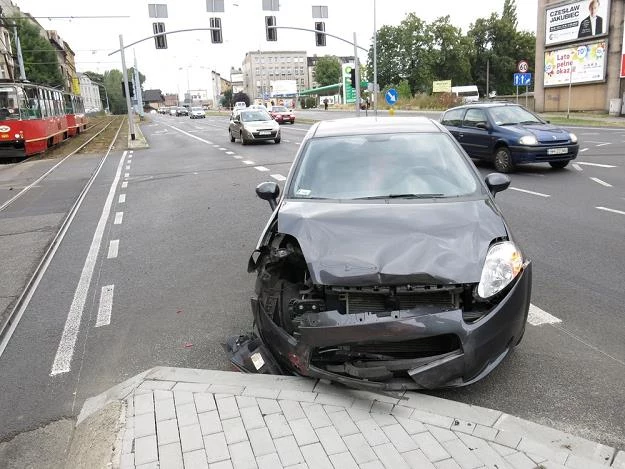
195	419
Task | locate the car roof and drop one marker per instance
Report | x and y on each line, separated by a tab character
369	125
486	105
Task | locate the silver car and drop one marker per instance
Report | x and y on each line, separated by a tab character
253	125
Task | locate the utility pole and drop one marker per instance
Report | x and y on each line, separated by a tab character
357	68
487	76
131	119
137	80
20	59
375	63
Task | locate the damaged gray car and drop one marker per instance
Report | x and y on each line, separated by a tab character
385	264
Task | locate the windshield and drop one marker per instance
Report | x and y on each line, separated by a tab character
196	108
511	115
418	165
252	116
279	109
8	103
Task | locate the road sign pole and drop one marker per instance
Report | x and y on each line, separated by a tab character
517	94
357	68
527	88
131	119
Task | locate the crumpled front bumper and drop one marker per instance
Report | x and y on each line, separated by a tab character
482	344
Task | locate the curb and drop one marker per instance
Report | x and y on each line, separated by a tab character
139	141
476	424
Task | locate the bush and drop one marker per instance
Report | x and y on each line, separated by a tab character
438	101
308	102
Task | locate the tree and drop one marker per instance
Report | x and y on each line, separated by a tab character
226	100
131	75
41	64
241	96
328	70
451	53
403	89
113	83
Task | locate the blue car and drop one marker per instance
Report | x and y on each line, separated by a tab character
509	135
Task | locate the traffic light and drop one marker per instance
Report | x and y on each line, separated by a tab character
320	38
216	36
159	41
131	89
271	33
352	77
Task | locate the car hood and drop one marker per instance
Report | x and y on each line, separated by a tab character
544	133
379	243
257	125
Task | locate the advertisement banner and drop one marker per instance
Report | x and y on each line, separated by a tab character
283	87
442	86
623	56
577	64
349	92
576	20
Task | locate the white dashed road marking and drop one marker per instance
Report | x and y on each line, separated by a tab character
577	167
229	153
126	175
538	317
530	192
124	184
611	210
65	351
278	177
237	157
603	144
106	306
248	162
599	165
122	199
113	249
261	168
599	181
583	150
222	148
216	146
119	217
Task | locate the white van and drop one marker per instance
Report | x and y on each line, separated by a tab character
469	93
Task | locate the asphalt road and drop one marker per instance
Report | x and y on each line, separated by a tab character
176	281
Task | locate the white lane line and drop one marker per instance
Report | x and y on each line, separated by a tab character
261	168
530	192
599	165
248	162
113	249
122	198
65	351
193	136
210	143
106	306
298	143
594	141
577	167
229	153
287	141
278	177
603	144
606	209
599	181
216	146
127	167
119	217
583	150
538	317
126	175
222	149
237	157
124	184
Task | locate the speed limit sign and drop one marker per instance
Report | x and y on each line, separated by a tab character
522	66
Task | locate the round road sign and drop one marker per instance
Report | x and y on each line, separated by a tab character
522	66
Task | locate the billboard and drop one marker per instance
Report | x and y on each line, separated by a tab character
576	20
583	63
349	93
442	86
283	87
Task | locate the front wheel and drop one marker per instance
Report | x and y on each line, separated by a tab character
558	164
232	139
243	141
277	140
503	160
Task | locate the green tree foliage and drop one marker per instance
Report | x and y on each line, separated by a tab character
226	100
131	74
403	89
113	84
241	96
420	53
41	64
328	70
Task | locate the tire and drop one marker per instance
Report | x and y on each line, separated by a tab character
243	141
232	139
277	140
503	160
559	164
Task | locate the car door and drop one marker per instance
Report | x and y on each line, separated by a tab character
452	120
475	133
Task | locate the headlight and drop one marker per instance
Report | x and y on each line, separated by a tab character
528	140
503	263
573	138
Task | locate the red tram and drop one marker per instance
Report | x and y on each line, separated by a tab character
33	118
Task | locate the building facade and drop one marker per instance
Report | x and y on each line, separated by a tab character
172	99
579	61
90	93
66	60
237	80
261	68
312	62
7	63
197	98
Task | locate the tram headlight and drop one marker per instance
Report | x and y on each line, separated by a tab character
18	136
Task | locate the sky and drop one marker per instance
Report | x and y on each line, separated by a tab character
191	56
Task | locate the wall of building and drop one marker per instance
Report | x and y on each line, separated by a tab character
260	68
583	96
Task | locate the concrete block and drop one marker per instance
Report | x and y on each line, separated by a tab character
446	407
430	447
300	396
288	451
252	418
331	440
316	415
191	438
186	414
278	426
417	460
316	457
144	425
291	410
269	461
461	454
372	432
191	387
399	438
261	441
268	406
216	447
204	402
210	422
170	456
145	450
228	408
167	432
303	432
246	401
144	403
359	448
343	461
234	430
343	423
195	459
388	455
242	456
165	409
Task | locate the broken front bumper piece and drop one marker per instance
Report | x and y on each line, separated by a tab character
420	348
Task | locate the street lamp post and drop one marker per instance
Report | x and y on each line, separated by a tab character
131	120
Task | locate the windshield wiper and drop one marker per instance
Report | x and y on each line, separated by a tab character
402	196
530	122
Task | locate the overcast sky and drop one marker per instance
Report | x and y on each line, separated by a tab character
190	56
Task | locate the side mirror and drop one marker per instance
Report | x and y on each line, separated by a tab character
269	191
548	122
482	125
496	182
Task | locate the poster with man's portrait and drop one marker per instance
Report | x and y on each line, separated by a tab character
576	20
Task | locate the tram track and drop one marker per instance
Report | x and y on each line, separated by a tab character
9	322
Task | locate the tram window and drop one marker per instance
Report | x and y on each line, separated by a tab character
58	107
8	103
32	103
69	108
42	103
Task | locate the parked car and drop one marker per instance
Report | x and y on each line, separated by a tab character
197	113
282	115
182	111
252	125
509	135
173	111
386	263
